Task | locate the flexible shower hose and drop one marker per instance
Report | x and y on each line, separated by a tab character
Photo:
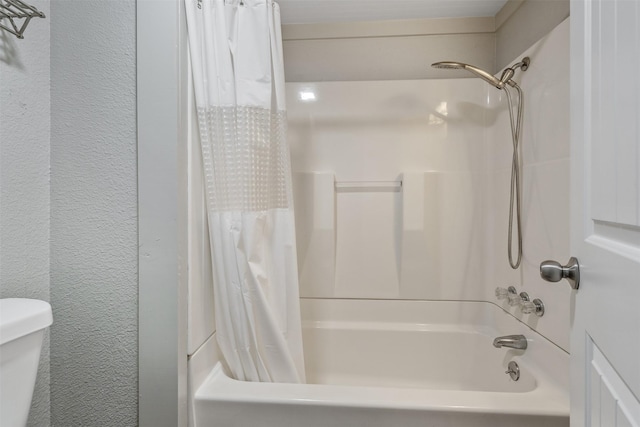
514	199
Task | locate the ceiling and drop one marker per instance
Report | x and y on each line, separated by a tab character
323	11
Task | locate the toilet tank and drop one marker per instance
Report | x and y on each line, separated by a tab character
22	325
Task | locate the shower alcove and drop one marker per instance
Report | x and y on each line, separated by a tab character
401	197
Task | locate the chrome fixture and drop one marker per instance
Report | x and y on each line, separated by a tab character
519	342
502	293
531	307
515	299
553	271
503	83
510	294
450	65
522	300
508	73
513	370
506	77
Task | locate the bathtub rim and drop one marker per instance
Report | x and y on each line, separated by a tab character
220	388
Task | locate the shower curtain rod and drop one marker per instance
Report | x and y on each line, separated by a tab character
14	11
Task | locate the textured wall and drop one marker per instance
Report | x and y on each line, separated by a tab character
93	213
24	179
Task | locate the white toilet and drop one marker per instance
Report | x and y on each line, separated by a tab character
22	325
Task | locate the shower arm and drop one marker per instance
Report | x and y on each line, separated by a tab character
508	73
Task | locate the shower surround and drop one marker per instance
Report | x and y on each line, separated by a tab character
441	234
401	192
388	184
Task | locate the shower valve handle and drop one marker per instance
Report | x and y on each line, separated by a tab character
553	271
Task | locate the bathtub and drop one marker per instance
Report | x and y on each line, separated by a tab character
378	363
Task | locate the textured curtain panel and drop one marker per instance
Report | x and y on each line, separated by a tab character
236	56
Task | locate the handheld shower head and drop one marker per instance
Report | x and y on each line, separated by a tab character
450	65
484	75
506	77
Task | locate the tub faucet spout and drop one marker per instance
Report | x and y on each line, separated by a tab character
518	342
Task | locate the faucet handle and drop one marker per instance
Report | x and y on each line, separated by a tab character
536	306
502	293
528	307
515	299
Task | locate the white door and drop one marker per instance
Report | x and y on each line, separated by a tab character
605	235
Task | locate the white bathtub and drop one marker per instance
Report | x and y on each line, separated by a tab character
380	363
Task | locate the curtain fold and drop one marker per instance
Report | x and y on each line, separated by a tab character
238	72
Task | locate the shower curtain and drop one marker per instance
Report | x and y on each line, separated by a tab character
238	73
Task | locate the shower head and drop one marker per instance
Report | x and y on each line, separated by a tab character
449	65
484	75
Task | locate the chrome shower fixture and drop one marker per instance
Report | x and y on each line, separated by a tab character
484	75
506	77
508	73
505	81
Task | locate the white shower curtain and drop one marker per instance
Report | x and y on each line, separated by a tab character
236	56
